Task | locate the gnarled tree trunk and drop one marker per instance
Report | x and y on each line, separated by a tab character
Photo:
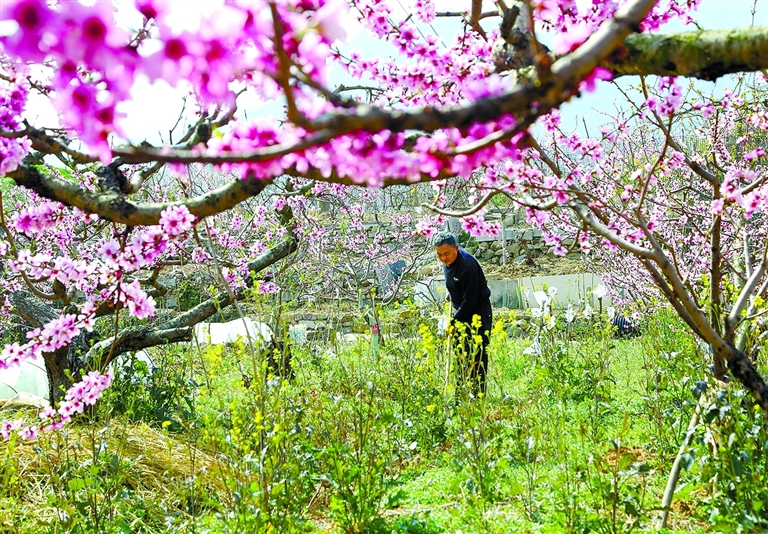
69	358
87	349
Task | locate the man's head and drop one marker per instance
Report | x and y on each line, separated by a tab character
445	247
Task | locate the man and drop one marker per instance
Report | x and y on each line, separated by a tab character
472	319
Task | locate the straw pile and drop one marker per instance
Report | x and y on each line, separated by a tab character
159	468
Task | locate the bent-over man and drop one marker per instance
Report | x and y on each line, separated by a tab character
472	317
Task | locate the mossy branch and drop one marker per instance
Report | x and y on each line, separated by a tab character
702	54
115	206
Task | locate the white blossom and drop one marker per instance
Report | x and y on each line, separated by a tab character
442	325
552	291
541	298
599	291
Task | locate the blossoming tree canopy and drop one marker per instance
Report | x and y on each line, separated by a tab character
105	218
284	50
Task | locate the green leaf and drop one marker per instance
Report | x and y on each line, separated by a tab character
684	490
76	484
515	488
625	460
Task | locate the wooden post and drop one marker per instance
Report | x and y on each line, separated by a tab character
503	241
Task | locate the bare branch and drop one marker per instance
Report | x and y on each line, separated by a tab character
483	15
662	284
31	310
474	17
134	338
746	292
283	75
341	88
549	162
138	179
116	207
469	211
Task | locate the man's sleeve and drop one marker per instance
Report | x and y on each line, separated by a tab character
471	292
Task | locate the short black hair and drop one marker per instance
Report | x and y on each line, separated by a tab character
443	238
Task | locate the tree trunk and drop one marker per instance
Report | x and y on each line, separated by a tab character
64	366
37	314
65	363
744	371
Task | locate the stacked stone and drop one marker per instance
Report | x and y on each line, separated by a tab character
521	244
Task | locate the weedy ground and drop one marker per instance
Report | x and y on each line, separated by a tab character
577	438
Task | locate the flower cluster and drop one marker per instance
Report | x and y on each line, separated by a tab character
81	394
476	225
139	304
569	16
667	10
37	219
12	101
9	427
63	269
176	220
427	226
102	278
364	158
670	97
556	242
97	63
56	334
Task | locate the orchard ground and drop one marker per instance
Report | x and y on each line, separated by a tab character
578	438
578	430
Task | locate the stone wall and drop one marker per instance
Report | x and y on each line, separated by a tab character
521	245
519	293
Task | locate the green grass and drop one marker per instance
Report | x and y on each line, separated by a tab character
579	438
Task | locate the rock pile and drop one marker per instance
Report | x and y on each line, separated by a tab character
521	246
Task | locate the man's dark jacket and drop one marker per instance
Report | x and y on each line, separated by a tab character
466	284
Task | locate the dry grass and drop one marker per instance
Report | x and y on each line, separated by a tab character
156	458
634	454
156	466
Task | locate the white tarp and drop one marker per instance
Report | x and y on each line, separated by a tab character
28	383
222	333
24	380
29	380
